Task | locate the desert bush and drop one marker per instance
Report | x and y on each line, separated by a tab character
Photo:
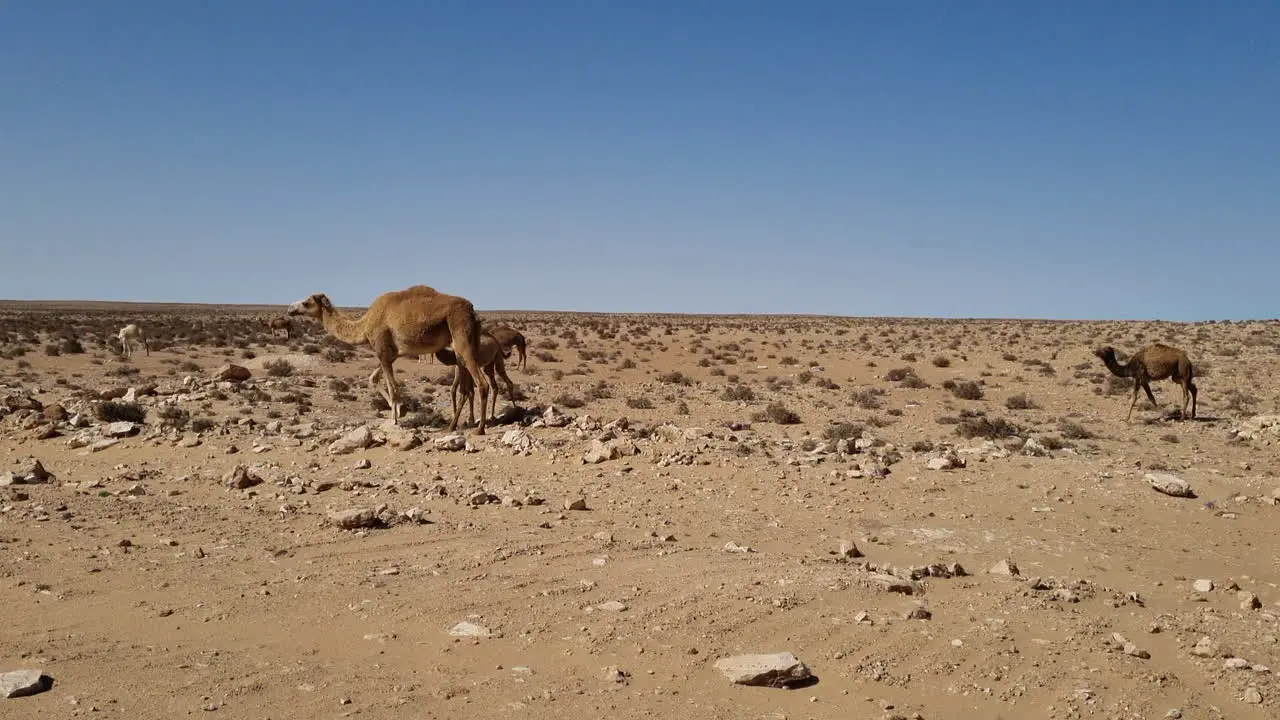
278	368
113	411
567	400
867	398
1019	402
922	446
1075	431
73	346
735	393
964	389
202	425
640	403
675	378
599	391
174	416
778	413
425	417
941	361
899	374
981	426
842	431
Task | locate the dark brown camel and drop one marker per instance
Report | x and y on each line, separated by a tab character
1154	362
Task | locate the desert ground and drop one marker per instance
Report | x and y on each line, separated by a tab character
939	519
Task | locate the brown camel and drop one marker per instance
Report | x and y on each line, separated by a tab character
1154	362
508	337
492	362
281	323
415	321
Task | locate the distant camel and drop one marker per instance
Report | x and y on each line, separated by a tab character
418	320
491	360
508	337
129	336
1154	362
282	323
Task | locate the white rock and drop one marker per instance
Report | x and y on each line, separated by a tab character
469	629
20	683
774	670
1202	585
1170	484
358	439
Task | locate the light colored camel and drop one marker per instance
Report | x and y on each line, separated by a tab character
418	320
509	337
129	336
282	323
1154	362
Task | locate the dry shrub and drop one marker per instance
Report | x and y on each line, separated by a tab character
735	393
1020	402
842	431
640	403
278	368
776	412
976	425
964	389
568	400
113	411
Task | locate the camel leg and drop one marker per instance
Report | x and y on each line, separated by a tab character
466	343
522	358
1147	386
1137	385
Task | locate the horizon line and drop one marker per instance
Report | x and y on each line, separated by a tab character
152	305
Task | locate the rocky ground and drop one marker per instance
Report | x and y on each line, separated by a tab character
912	519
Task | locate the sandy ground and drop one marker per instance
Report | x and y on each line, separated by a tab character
146	587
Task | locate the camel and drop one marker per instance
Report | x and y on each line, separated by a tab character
1154	362
129	336
282	323
418	320
491	360
509	338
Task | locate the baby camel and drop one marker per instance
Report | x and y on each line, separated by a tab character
129	336
508	337
282	323
491	360
1154	362
415	321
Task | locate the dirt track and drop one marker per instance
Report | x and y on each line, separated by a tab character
147	588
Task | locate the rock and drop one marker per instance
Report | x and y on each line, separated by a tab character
849	550
55	413
776	670
401	438
469	629
612	606
1205	648
576	504
895	584
1134	651
1034	448
101	445
232	373
120	430
615	675
518	439
240	478
1202	586
31	472
1252	696
1170	484
189	441
354	519
1248	600
21	683
481	498
1005	567
1235	663
452	443
363	464
358	439
554	418
947	460
918	612
600	452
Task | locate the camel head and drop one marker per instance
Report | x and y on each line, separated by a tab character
1105	352
315	306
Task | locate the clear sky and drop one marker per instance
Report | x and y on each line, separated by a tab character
972	158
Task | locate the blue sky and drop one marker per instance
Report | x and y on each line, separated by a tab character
1080	159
